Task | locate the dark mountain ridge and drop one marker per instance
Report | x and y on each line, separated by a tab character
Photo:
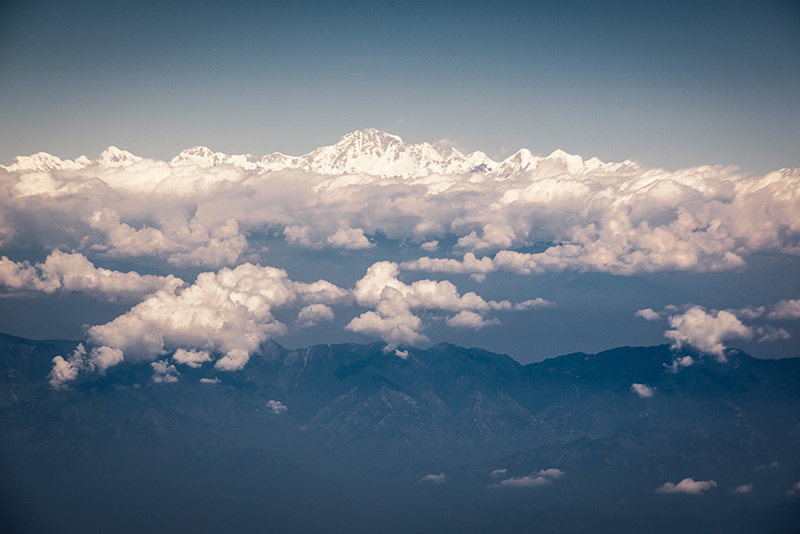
348	424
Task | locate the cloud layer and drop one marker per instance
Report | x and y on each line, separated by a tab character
197	209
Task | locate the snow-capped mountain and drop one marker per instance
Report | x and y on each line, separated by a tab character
367	152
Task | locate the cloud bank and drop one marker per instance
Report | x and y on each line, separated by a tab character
197	209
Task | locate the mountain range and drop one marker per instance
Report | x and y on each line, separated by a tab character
445	439
364	152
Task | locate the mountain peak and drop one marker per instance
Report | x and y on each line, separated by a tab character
113	155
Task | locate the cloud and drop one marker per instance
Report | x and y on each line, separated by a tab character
430	246
402	354
544	477
469	319
794	489
97	360
313	314
441	478
688	485
581	214
228	312
648	314
785	309
63	272
277	407
349	238
164	372
644	391
744	488
678	363
706	331
192	358
769	333
393	302
210	380
498	473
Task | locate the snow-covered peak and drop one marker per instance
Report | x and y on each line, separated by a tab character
519	162
376	153
114	156
41	161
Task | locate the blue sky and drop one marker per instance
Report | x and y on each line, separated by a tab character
675	85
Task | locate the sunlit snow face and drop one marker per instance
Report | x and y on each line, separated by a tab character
363	222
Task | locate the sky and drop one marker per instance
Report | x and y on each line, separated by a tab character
657	199
673	85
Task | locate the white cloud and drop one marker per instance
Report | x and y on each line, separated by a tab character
678	363
769	333
688	485
228	312
164	372
214	380
313	314
643	390
441	478
402	354
469	319
97	360
706	331
794	489
498	473
393	302
349	238
192	358
744	488
786	309
74	272
610	217
277	407
430	246
648	314
542	478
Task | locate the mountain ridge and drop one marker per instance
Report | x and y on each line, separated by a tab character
364	152
383	428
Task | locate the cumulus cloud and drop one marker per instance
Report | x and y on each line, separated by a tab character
164	372
794	489
687	485
583	214
97	360
393	301
75	273
349	238
441	478
192	358
313	314
648	314
498	473
744	488
402	354
469	319
706	330
277	407
643	390
227	312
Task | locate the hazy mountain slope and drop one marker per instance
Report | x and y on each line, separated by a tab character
341	424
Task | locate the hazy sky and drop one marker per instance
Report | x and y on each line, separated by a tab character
681	84
373	239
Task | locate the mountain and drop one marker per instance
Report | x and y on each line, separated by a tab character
354	438
367	152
